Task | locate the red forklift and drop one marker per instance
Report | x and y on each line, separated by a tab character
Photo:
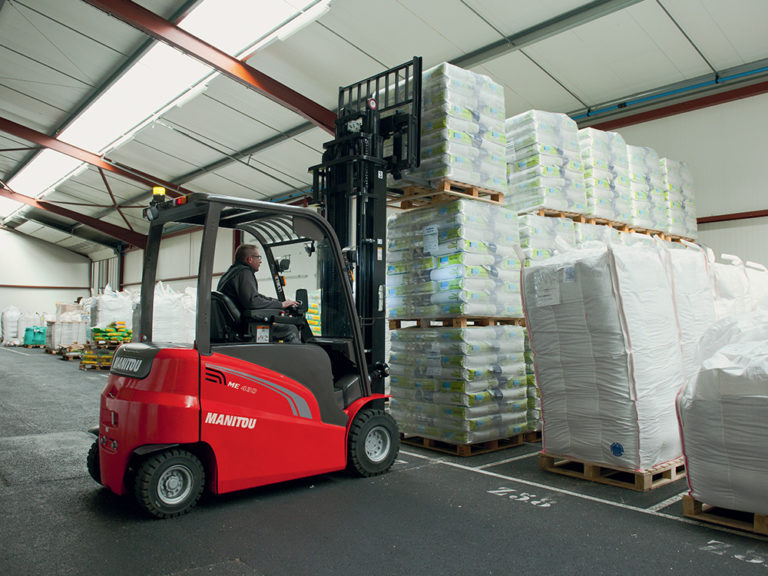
235	409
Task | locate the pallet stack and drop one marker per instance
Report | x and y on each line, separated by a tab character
544	163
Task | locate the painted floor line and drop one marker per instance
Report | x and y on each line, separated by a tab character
667	502
14	351
649	511
508	460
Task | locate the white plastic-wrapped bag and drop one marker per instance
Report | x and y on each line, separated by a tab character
723	415
10	325
607	355
174	315
691	282
758	284
731	287
111	307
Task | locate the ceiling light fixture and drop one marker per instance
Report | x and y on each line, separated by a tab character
161	80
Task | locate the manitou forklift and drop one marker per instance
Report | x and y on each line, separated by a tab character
235	409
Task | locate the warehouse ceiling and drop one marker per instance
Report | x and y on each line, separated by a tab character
597	61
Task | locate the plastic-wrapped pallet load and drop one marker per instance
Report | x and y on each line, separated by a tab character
174	314
606	175
542	237
544	163
453	259
607	355
675	175
723	415
462	131
640	161
459	385
586	233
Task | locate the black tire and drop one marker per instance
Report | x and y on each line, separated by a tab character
169	483
92	462
373	443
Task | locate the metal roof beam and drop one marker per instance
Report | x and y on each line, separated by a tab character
537	33
128	236
165	31
11	127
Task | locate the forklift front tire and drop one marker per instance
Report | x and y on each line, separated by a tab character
92	462
169	483
374	442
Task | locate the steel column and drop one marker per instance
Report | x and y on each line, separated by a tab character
165	31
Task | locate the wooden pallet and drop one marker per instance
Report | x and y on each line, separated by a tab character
532	437
620	226
444	190
85	366
69	356
755	523
461	322
34	345
640	480
464	450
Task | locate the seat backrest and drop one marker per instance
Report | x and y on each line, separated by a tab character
225	318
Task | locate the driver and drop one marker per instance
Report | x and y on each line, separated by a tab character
239	283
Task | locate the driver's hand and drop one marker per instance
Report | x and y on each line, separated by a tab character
289	303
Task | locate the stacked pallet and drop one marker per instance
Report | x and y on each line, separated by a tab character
459	385
94	358
462	131
606	175
451	260
113	335
544	163
678	185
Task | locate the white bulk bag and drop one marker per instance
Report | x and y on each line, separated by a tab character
723	415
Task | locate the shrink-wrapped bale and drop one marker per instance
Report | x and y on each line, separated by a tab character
453	259
723	415
544	163
462	130
641	162
607	355
678	184
542	237
606	174
459	385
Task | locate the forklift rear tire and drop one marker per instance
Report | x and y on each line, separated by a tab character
373	443
92	462
169	483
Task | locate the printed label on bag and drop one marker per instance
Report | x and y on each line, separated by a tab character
430	239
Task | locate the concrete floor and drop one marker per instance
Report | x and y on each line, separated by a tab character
432	514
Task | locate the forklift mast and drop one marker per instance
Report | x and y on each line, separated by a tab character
378	133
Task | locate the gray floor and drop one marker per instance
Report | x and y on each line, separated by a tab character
433	514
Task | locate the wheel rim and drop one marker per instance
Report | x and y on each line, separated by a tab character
174	484
377	444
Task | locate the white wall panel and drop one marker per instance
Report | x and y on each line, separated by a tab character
26	261
725	147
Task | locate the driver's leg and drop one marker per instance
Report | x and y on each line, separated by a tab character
285	332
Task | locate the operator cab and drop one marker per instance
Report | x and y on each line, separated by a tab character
300	254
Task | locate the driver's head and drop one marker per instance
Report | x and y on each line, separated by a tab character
248	254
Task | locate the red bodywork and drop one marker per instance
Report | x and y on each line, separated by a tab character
251	426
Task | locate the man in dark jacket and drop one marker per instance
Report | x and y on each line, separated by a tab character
239	283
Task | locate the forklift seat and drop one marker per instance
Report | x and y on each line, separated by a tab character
226	320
